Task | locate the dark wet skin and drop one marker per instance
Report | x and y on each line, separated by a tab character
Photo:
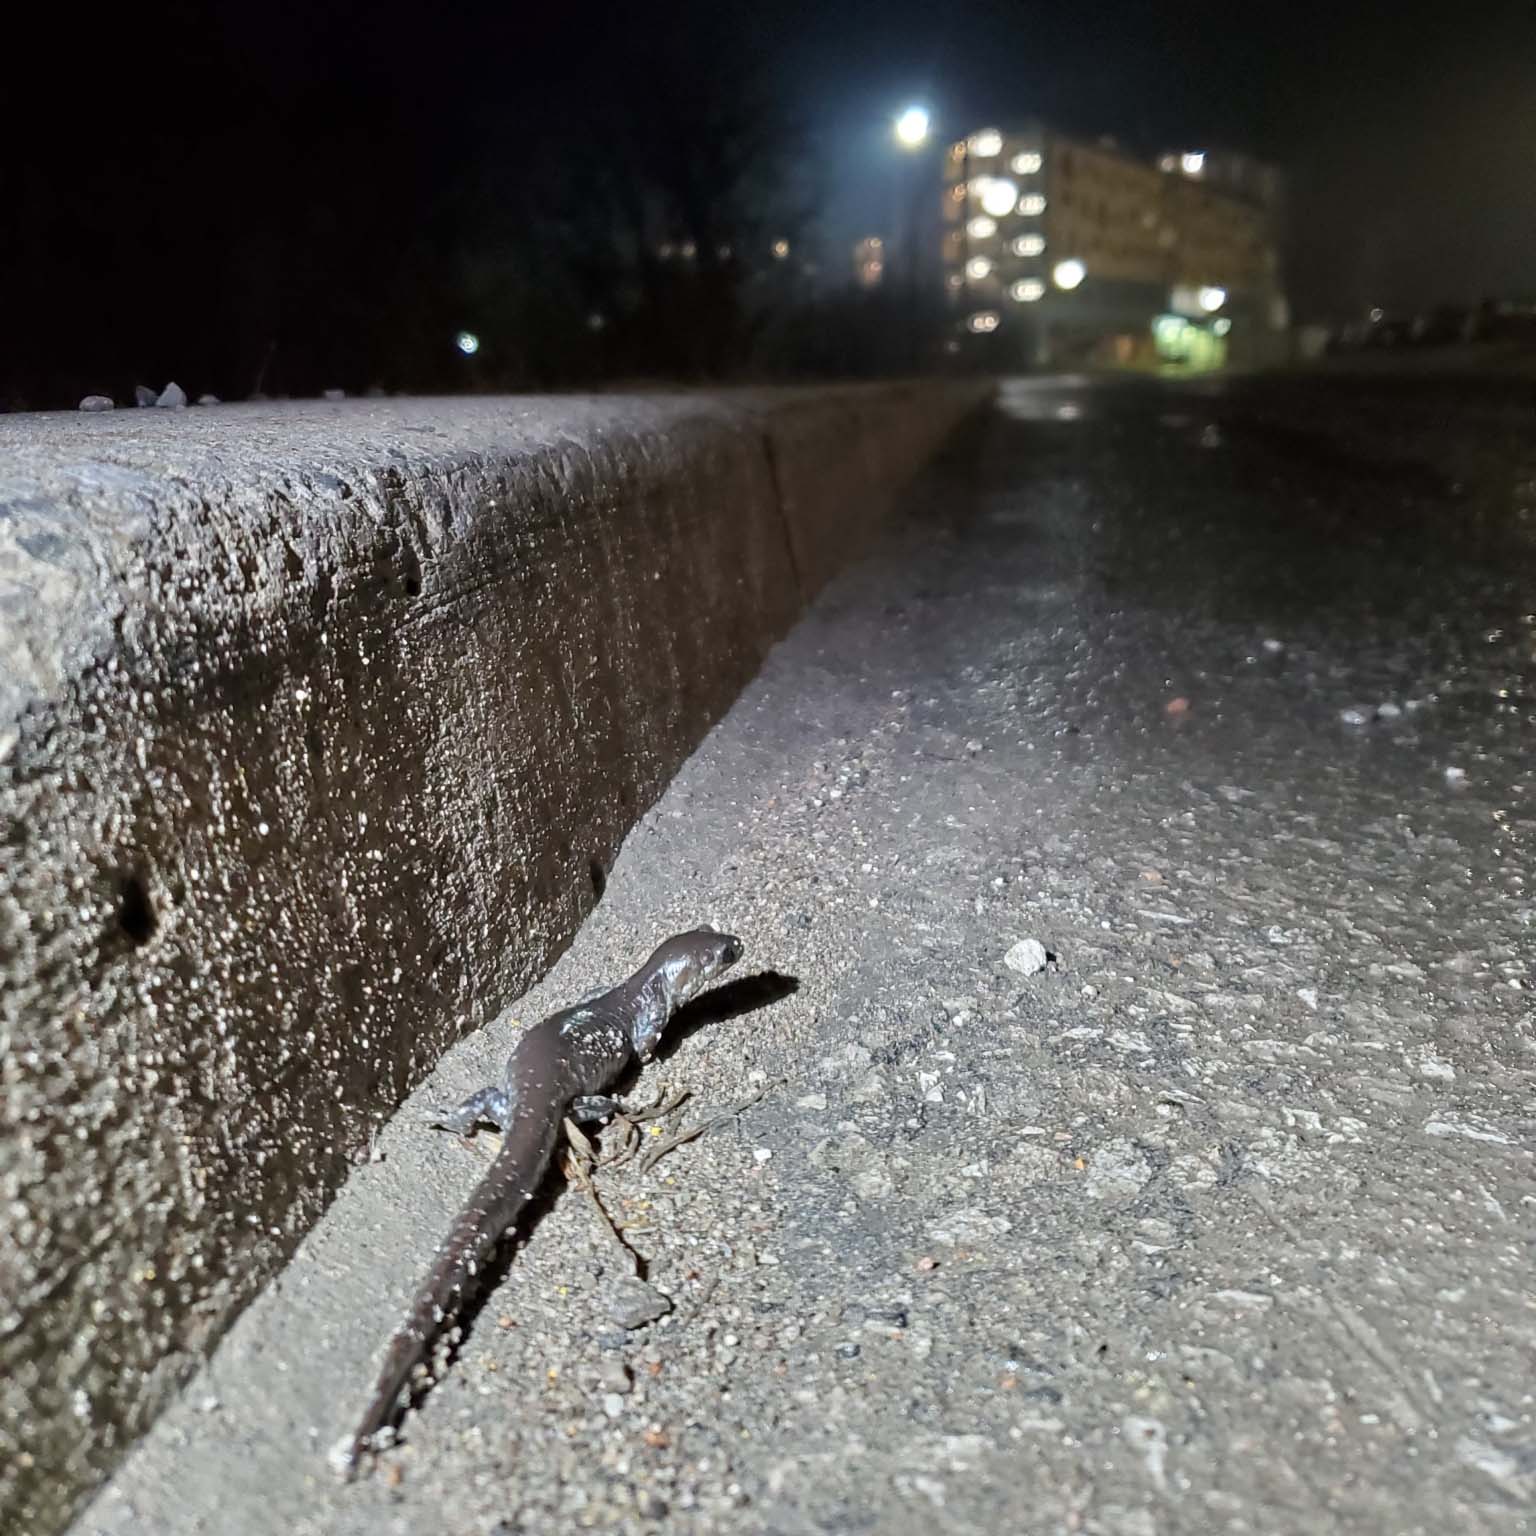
562	1066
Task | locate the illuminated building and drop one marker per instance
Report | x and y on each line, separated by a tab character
869	262
1061	251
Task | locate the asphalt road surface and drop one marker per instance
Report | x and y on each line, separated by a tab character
1220	1222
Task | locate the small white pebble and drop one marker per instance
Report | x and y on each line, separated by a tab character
262	828
1388	711
1028	957
613	1404
1273	646
1455	775
1353	716
761	1154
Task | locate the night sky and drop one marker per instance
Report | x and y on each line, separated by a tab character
184	179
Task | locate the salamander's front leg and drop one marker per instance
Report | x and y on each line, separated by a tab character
490	1106
594	1106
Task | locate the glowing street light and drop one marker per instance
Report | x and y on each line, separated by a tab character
467	343
1068	274
1212	298
912	128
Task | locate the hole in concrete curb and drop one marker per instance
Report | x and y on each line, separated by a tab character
136	912
599	879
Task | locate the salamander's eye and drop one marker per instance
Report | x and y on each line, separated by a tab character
732	951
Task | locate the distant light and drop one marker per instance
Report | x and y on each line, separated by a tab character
1027	163
1027	290
1221	326
986	143
723	252
912	128
1212	298
1377	316
664	250
951	345
1192	163
690	250
954	280
998	195
780	249
876	243
467	343
981	227
977	268
595	321
1029	245
1168	163
983	321
1032	205
958	191
1068	274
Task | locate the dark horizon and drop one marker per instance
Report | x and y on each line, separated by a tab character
200	185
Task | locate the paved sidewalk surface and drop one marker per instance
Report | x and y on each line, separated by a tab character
1220	1222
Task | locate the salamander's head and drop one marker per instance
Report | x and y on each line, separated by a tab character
678	971
692	961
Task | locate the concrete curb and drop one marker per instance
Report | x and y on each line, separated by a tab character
319	726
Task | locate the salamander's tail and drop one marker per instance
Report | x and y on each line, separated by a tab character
498	1200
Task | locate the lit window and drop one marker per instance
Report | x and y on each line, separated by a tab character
1033	205
983	321
1068	274
1026	164
1028	290
977	268
1192	163
997	195
981	227
1029	245
986	143
690	250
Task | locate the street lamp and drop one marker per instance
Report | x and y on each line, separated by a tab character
912	128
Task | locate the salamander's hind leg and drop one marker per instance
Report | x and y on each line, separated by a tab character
489	1106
